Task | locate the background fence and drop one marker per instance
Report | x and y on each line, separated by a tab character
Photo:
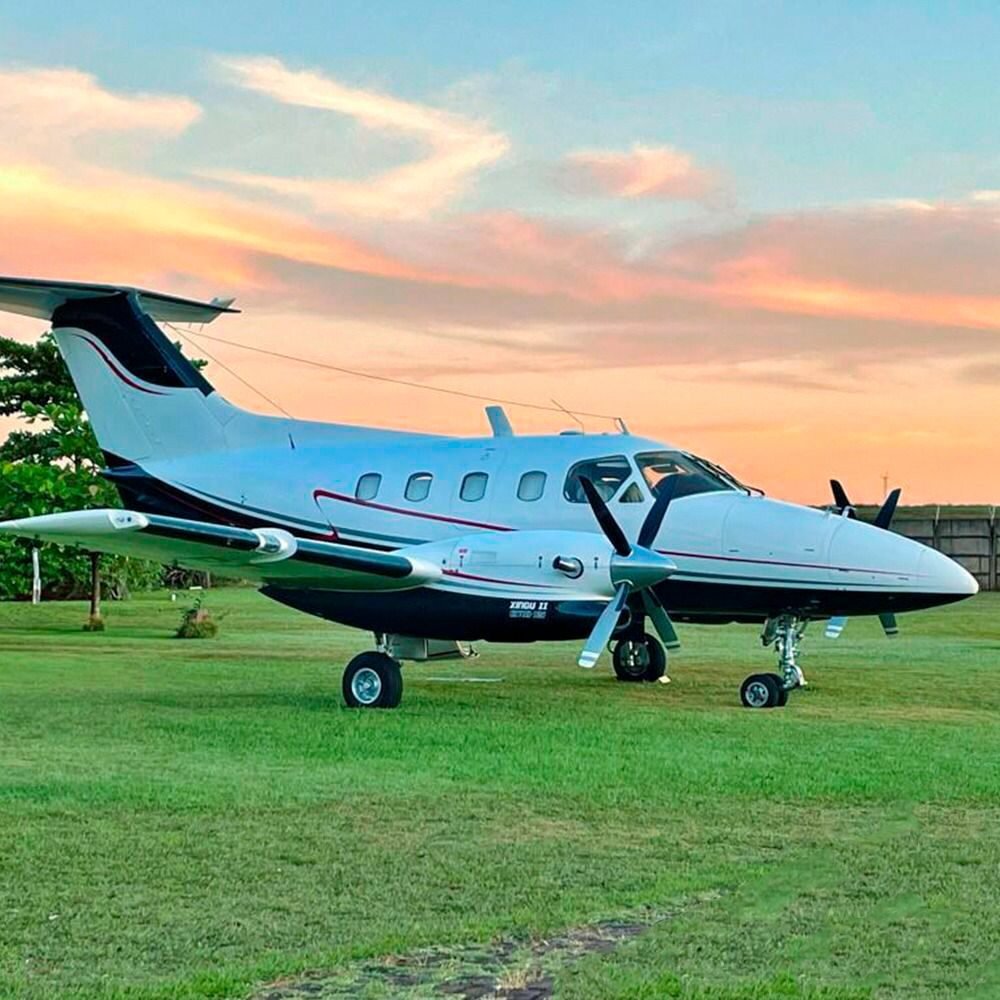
968	534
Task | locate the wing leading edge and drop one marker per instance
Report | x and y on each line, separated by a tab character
265	555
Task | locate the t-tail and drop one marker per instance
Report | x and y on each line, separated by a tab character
143	397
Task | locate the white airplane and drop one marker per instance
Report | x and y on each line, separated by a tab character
433	542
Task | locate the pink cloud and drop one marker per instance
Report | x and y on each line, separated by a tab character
656	172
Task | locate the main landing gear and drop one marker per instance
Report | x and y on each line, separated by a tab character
373	680
772	690
639	659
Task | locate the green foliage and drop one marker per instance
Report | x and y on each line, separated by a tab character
197	623
52	465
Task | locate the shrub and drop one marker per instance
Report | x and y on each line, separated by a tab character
197	623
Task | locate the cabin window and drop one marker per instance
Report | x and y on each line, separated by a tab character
531	486
474	487
418	486
607	474
368	486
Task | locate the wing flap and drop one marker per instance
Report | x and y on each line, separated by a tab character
264	555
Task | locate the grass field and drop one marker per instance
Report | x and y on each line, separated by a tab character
197	819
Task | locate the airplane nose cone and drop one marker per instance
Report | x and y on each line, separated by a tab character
945	576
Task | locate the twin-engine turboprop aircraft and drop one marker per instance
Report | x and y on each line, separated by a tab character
433	542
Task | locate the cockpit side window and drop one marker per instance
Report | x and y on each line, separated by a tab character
607	474
658	466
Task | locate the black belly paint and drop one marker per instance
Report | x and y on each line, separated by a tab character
439	614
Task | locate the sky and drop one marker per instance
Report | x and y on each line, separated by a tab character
765	232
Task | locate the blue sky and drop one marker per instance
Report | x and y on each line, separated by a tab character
803	103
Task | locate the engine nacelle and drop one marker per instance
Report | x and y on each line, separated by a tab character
576	563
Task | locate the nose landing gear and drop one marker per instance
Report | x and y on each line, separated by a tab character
772	690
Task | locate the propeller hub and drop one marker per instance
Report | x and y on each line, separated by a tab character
641	568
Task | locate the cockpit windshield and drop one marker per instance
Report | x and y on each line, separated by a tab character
697	475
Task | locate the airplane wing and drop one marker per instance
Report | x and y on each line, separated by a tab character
264	555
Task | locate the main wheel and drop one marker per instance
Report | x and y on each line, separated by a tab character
639	660
761	691
372	680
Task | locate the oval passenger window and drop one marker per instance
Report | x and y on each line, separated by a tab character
418	486
368	486
474	487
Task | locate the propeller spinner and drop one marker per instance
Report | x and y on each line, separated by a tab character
633	568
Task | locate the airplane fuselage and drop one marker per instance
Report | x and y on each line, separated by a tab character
740	556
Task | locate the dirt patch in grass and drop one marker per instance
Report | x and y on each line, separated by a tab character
506	969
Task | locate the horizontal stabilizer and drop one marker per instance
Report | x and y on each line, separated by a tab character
39	298
265	554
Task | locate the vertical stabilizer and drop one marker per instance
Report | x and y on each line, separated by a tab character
143	397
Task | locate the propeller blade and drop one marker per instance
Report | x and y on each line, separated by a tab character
884	517
651	526
601	633
657	614
835	626
605	519
889	625
841	499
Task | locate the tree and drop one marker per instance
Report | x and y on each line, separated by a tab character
53	464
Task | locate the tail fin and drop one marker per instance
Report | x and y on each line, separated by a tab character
143	397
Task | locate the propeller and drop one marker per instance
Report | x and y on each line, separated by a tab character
883	519
634	568
841	503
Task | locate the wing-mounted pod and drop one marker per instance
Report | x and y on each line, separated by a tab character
275	545
265	554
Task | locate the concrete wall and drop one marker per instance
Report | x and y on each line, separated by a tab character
970	535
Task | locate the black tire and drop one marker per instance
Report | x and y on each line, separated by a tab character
372	680
783	692
647	663
760	691
657	660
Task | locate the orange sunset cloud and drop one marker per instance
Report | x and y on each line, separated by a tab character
689	333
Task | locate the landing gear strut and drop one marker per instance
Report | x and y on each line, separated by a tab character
771	690
639	659
372	680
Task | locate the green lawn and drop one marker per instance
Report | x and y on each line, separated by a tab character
196	819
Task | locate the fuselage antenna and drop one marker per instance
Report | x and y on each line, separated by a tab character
570	414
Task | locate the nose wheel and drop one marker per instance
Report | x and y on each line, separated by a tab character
763	691
372	680
640	659
772	690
